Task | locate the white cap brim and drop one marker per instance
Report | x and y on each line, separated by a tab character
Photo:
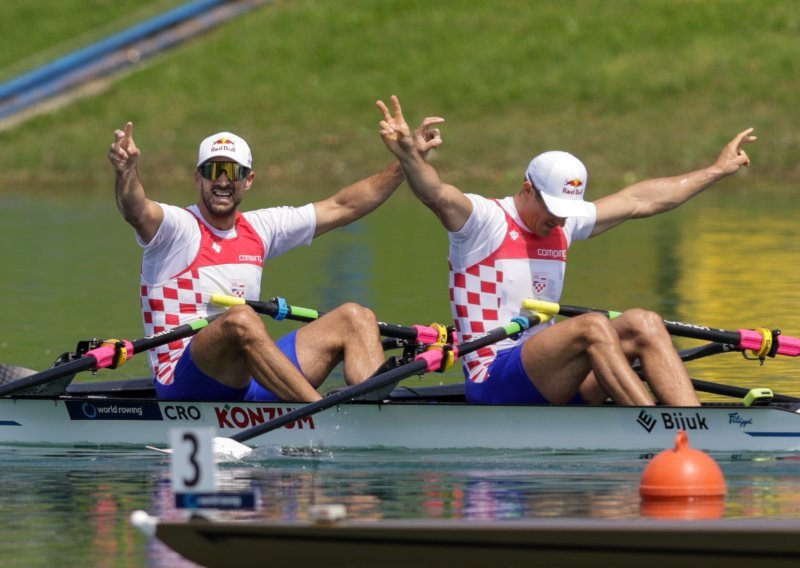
566	207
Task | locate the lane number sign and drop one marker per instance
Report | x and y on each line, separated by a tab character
193	467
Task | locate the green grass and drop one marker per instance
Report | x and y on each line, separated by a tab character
636	88
35	33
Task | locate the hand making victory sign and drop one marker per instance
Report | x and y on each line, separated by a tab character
395	130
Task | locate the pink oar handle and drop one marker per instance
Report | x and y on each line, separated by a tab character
433	357
752	340
788	345
105	354
426	334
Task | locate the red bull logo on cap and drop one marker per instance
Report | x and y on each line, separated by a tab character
572	187
223	144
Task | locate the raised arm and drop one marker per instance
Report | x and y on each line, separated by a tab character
654	196
451	206
143	214
354	201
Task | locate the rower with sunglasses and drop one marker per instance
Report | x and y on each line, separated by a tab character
213	248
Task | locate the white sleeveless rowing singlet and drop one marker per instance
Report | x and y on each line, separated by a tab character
495	264
179	275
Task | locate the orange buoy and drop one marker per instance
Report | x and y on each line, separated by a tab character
683	483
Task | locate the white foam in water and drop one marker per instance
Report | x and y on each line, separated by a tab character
229	450
144	522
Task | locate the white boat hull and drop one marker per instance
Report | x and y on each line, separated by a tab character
424	425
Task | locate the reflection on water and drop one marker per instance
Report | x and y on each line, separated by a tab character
72	508
472	485
481	485
741	269
67	509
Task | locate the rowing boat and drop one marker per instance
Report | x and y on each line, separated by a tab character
529	542
127	413
47	408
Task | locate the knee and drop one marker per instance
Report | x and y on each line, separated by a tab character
356	314
644	323
242	322
597	328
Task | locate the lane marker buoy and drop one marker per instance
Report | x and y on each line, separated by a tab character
683	482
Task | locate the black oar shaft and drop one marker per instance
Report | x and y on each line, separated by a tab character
180	332
734	391
76	366
680	329
273	309
692	331
90	360
372	384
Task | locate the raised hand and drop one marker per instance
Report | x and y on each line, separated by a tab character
733	155
427	138
398	136
394	130
123	153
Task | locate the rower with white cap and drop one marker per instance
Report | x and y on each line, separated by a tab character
504	251
212	247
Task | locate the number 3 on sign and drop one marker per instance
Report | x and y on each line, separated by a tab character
193	467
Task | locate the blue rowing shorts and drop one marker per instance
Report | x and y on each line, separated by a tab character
190	383
508	383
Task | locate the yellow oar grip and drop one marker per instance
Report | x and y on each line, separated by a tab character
228	301
541	306
441	330
766	342
544	316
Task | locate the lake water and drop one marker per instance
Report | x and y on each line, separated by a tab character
72	508
727	261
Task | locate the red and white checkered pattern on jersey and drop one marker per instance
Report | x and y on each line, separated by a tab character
489	293
219	266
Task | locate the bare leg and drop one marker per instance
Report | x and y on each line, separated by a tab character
558	360
592	391
350	334
643	335
237	346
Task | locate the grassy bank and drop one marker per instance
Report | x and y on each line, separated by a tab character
635	88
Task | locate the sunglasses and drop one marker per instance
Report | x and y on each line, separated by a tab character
212	170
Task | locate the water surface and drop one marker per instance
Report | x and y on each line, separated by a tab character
726	260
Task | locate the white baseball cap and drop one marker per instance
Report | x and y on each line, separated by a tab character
561	180
227	145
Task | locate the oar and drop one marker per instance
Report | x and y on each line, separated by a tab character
718	388
739	392
278	309
762	342
430	360
108	355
